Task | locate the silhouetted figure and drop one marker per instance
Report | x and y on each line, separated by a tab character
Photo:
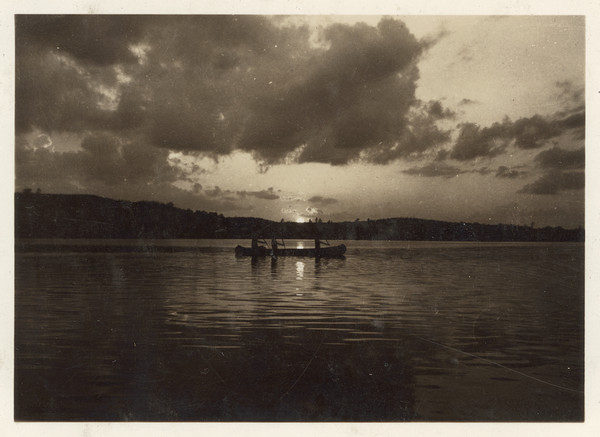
273	246
254	248
317	248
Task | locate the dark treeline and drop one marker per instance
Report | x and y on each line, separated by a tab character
40	215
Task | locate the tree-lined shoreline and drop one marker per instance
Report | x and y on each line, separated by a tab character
40	215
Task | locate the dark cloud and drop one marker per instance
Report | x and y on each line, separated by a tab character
41	168
559	158
263	194
576	120
433	39
482	171
323	201
441	169
421	135
475	142
217	192
435	109
525	133
55	96
533	132
570	93
509	173
222	195
555	181
95	39
346	99
436	169
571	97
214	192
214	84
102	161
442	155
107	167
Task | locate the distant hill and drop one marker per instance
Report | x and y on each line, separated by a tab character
86	216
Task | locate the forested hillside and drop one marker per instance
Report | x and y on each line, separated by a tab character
40	215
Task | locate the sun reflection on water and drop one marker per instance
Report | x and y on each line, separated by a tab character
299	270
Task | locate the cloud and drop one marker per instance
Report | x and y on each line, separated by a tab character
95	39
310	212
571	97
42	140
341	101
474	142
263	194
466	102
66	70
554	182
570	93
435	109
215	192
107	167
531	133
215	84
103	160
575	122
421	135
323	201
509	173
441	169
564	171
465	54
436	169
53	95
558	158
525	133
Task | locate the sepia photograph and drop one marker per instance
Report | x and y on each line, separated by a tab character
317	218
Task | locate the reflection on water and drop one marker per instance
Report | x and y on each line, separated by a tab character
299	270
396	331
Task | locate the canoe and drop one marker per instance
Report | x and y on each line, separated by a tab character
324	252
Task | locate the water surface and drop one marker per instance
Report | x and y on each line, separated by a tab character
396	331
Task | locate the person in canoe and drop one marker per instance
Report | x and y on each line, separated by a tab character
318	243
257	247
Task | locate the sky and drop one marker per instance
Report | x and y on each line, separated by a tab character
298	117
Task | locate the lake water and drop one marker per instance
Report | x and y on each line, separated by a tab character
396	331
